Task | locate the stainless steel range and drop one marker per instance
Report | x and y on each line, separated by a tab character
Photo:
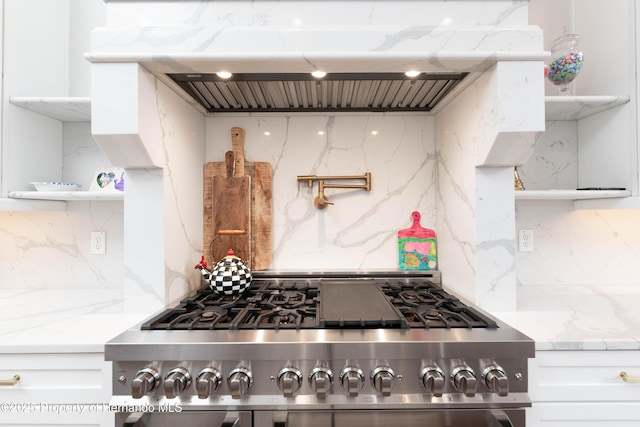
324	350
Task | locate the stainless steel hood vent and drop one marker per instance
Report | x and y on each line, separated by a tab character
298	92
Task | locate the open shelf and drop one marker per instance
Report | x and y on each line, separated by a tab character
579	107
8	204
65	109
68	195
570	194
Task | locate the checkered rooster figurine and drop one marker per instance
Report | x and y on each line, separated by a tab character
229	277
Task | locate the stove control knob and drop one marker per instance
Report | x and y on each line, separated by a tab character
496	380
352	380
176	381
208	381
145	381
382	378
320	379
464	379
289	380
433	379
239	381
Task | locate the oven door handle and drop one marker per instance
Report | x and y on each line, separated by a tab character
501	419
136	419
231	420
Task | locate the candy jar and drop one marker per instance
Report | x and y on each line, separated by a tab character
566	60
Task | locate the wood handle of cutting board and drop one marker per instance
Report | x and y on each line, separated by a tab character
237	144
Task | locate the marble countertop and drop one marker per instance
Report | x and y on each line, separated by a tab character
61	320
560	317
557	317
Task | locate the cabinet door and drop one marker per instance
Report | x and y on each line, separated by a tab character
55	389
584	388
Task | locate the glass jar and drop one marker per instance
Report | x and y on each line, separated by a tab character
567	59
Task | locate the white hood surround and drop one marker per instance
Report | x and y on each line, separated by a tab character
143	122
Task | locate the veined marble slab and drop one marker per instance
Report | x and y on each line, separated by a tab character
578	317
52	320
65	109
67	195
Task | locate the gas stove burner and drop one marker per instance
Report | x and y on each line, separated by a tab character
276	317
290	299
432	314
415	297
324	303
212	313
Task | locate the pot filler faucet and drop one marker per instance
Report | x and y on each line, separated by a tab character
321	201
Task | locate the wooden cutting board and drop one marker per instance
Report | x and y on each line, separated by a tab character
231	212
258	226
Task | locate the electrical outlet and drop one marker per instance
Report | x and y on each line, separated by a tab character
98	242
525	240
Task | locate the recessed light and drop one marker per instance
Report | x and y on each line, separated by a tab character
374	132
223	74
267	133
318	74
412	73
320	132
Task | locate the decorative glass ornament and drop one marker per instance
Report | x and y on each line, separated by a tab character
567	59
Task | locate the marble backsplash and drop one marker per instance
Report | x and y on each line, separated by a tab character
50	249
572	247
360	230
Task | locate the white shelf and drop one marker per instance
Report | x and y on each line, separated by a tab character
579	107
89	196
65	109
623	203
571	194
7	204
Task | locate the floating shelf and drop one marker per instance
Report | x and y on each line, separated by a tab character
65	109
579	107
89	196
570	194
7	204
632	202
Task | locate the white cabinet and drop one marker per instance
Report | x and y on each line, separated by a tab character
584	388
55	389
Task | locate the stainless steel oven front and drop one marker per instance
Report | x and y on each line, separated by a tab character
404	418
379	351
327	418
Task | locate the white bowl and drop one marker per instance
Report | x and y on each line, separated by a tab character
54	186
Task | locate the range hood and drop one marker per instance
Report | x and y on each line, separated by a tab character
301	92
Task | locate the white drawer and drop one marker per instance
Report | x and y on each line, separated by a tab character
55	378
584	376
586	414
